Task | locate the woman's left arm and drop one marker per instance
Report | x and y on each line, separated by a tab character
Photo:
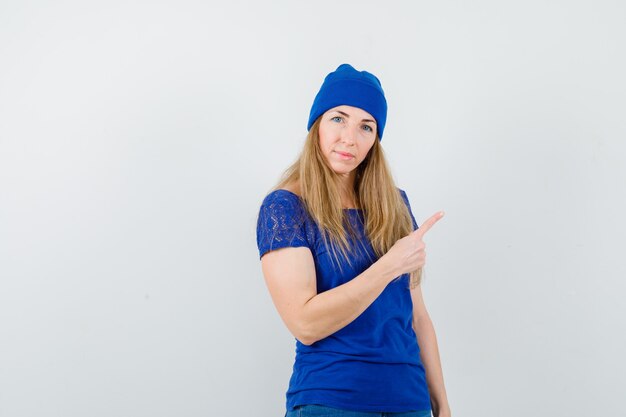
429	353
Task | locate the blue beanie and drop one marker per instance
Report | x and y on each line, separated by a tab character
347	86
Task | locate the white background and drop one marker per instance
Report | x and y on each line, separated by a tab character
138	139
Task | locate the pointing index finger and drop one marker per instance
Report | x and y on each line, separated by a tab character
429	223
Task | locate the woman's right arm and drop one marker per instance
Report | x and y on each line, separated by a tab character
290	277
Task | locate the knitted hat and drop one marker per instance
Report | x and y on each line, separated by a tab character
347	86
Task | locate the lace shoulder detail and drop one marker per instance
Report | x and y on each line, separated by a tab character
281	222
408	205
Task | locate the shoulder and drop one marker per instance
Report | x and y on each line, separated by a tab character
408	206
403	194
405	197
282	197
293	187
287	193
283	222
285	205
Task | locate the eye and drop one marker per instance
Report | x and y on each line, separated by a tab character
368	128
337	119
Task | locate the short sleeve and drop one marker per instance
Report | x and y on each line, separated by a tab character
281	222
408	205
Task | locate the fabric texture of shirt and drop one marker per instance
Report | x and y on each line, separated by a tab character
373	363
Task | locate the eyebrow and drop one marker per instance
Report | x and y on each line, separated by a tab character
347	115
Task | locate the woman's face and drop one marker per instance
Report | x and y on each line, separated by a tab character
346	135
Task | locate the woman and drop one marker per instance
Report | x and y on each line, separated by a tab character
342	259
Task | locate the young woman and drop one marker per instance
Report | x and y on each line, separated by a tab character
342	257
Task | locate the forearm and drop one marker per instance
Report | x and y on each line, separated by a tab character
334	309
429	353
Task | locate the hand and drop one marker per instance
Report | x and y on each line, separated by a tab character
408	254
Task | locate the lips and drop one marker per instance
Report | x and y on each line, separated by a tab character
345	154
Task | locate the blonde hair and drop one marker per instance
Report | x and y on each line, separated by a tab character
387	217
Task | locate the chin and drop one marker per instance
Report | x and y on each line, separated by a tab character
342	170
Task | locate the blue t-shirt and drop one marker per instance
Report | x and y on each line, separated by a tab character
373	363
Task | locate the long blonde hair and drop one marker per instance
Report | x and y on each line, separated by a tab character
387	217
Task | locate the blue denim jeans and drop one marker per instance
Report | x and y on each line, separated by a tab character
323	411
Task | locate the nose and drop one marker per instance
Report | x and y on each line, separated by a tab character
348	135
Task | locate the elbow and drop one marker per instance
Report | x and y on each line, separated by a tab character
306	335
306	341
